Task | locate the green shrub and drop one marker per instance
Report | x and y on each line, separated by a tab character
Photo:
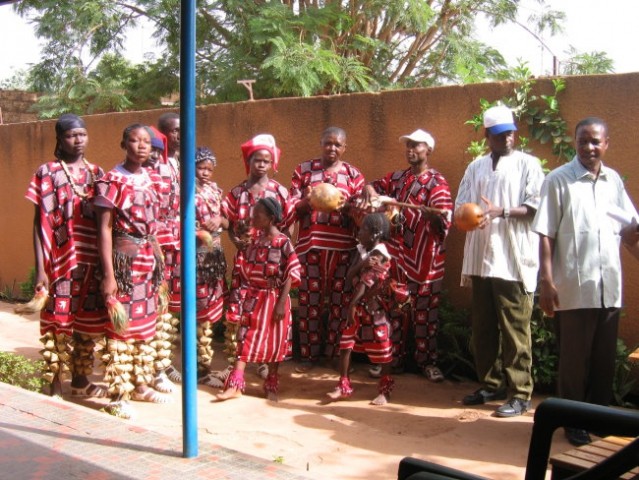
20	371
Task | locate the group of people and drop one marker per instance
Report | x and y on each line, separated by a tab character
368	271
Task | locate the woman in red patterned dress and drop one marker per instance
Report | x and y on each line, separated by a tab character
126	206
211	264
269	270
65	244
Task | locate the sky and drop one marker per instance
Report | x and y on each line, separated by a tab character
591	25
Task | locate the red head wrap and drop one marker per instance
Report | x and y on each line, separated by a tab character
263	141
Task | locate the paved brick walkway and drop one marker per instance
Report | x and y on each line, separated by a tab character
47	438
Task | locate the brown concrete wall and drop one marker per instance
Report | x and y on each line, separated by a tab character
15	106
373	122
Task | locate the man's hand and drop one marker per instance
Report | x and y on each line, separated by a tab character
548	298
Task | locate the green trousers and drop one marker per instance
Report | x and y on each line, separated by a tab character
501	340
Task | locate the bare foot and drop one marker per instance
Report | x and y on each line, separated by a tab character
336	394
381	399
228	394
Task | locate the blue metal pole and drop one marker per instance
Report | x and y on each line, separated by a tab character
187	206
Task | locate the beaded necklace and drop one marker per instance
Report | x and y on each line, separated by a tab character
80	193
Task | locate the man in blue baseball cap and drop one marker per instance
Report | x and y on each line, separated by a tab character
501	263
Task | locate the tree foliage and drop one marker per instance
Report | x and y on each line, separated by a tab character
290	47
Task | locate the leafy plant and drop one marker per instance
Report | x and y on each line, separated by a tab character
453	341
545	358
540	112
623	381
20	371
28	286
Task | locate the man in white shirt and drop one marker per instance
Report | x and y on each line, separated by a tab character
583	216
501	263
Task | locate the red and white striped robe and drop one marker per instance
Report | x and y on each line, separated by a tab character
269	263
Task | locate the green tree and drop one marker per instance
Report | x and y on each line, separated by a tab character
290	47
589	63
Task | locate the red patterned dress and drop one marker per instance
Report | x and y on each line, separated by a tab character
371	331
169	226
325	244
69	242
211	264
238	208
137	260
268	264
417	244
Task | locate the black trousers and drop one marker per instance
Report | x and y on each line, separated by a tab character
587	351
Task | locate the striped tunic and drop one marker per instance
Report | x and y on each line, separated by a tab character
269	263
507	248
325	231
418	244
238	209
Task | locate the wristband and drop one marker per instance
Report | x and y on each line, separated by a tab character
506	213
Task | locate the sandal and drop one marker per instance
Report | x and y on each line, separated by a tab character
173	374
120	409
89	390
375	371
211	380
304	367
262	371
162	383
150	395
433	373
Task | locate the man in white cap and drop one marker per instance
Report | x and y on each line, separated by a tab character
417	244
501	264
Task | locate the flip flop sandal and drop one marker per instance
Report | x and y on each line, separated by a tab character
89	390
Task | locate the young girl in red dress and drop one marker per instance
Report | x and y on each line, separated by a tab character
126	205
269	270
211	264
367	328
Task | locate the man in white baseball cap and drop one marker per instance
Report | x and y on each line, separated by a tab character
418	248
500	263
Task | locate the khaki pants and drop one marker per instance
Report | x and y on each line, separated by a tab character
501	340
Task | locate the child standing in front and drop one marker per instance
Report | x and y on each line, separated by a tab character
269	270
367	328
126	205
211	264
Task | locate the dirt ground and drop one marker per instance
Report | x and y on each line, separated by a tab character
343	440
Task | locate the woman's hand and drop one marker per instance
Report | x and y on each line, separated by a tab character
109	287
280	309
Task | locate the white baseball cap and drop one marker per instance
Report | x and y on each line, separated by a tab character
499	119
419	136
